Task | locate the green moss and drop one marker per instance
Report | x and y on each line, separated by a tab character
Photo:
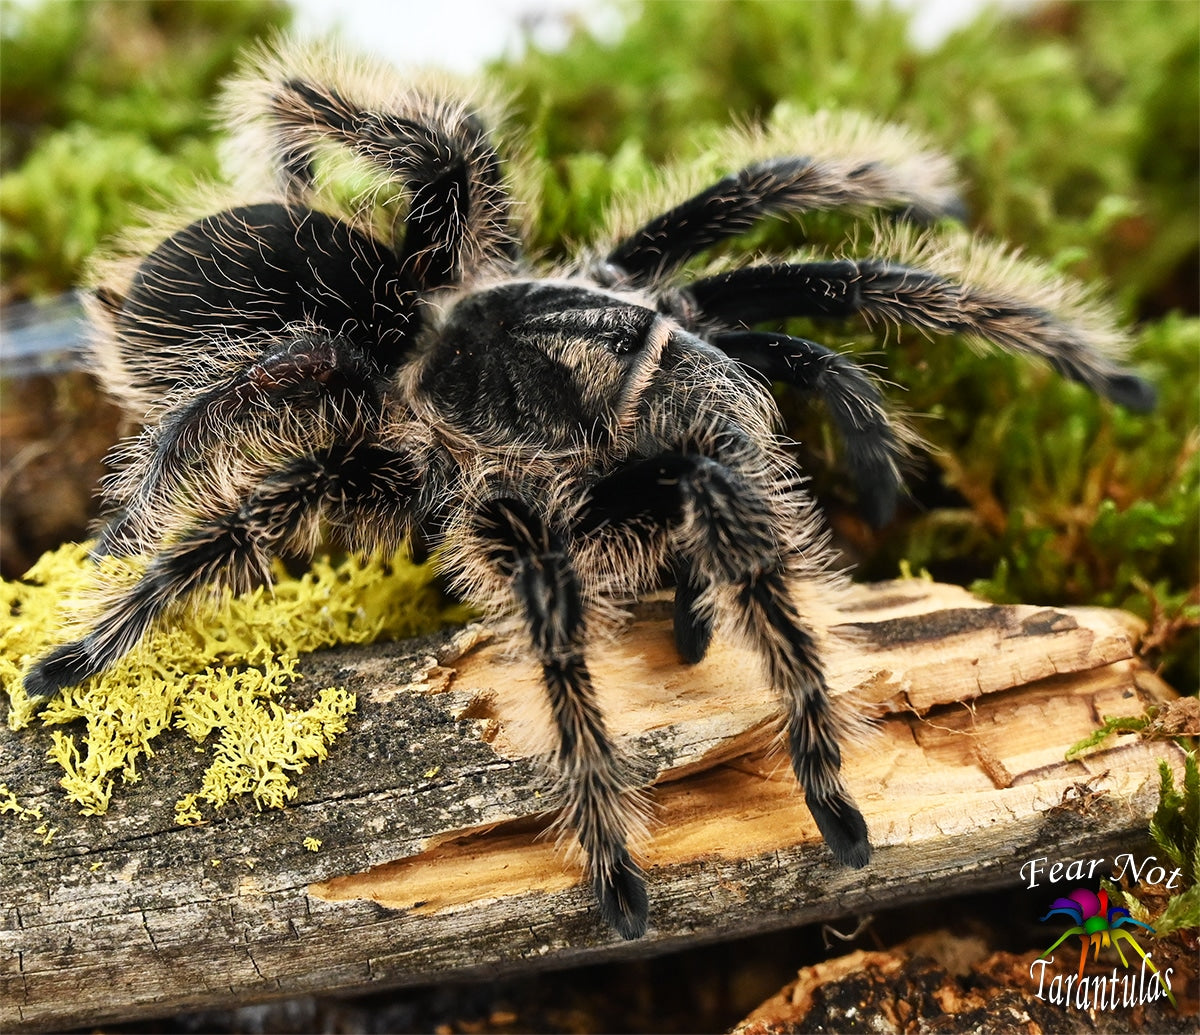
1111	725
105	107
1175	825
1072	127
74	189
1175	830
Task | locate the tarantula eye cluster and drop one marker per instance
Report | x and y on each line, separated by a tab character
561	437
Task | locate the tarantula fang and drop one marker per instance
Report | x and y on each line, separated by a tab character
562	438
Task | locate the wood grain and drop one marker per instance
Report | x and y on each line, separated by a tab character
431	811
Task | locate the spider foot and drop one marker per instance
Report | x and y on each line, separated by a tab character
621	892
693	628
844	830
1134	393
64	666
878	497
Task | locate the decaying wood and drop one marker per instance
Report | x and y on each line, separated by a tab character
431	815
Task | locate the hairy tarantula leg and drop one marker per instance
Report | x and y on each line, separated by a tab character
459	211
330	379
644	497
855	405
724	527
774	187
544	583
233	551
897	294
693	625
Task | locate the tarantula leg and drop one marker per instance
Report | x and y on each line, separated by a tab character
333	383
693	625
883	291
773	187
725	528
459	210
639	503
872	448
526	552
234	551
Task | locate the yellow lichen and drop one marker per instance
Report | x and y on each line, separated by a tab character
312	844
218	674
9	803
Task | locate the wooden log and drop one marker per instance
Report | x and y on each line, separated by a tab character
431	811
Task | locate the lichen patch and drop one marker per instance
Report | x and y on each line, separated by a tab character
225	674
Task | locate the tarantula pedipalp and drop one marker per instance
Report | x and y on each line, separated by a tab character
560	438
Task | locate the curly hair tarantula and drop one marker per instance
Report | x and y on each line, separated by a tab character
563	439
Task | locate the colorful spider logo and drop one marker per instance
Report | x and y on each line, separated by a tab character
1098	924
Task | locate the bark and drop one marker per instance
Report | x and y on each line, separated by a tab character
432	810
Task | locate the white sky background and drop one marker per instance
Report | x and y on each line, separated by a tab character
460	35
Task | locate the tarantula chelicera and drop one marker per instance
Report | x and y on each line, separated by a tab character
563	439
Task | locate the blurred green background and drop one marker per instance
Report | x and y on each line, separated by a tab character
1074	125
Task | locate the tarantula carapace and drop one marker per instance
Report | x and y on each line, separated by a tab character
563	440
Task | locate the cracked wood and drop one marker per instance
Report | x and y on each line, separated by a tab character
431	811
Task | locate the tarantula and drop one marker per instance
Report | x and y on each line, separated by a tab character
563	439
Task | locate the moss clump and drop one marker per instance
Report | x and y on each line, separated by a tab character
1075	126
223	675
105	107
